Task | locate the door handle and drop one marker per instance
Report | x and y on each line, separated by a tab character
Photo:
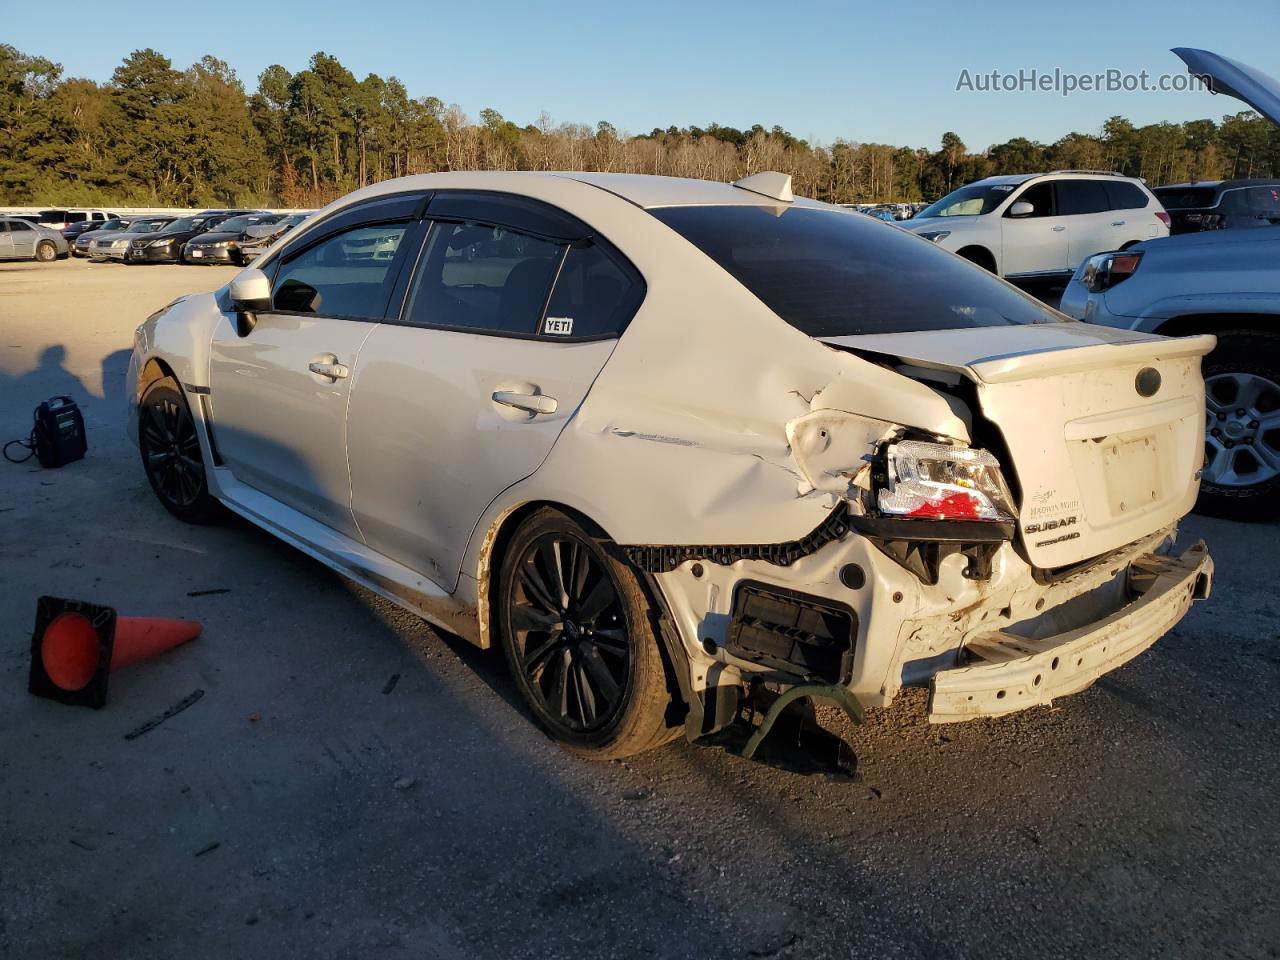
1059	228
1117	223
331	369
529	402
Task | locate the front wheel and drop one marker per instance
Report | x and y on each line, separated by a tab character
1241	479
171	455
46	252
576	628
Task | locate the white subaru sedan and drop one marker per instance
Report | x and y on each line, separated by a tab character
669	442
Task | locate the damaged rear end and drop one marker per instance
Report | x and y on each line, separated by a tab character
990	493
1086	454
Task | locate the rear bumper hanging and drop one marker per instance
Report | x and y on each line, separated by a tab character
1018	673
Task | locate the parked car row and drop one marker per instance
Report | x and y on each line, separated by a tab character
212	236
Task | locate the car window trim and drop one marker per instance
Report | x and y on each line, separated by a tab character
1026	188
413	222
322	229
400	320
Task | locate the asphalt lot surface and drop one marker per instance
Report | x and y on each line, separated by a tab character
309	806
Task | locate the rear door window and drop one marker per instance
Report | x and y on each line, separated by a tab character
596	295
1082	196
484	278
1125	196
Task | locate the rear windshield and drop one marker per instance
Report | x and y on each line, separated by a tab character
146	226
830	273
1184	198
236	224
53	216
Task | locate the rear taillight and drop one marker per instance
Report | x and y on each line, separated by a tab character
934	481
1163	217
1105	270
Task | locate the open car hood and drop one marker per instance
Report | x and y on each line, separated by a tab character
1235	79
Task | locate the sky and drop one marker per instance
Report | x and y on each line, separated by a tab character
884	71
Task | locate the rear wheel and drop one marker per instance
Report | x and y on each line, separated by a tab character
171	455
46	252
576	627
1241	478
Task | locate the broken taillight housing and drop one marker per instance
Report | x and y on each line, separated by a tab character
1104	270
934	481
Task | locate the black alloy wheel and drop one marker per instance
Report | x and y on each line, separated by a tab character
576	625
171	454
570	635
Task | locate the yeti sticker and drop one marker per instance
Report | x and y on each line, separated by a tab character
560	326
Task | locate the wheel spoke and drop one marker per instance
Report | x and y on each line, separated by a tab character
612	640
535	588
526	618
559	698
598	600
549	551
603	680
586	698
537	659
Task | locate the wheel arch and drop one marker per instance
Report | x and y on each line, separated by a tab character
980	254
493	551
156	368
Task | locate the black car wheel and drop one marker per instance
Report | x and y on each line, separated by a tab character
1241	478
575	625
171	454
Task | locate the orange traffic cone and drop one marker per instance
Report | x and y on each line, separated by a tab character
76	645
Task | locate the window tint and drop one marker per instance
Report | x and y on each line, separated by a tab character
1182	198
1040	196
832	274
1125	196
53	216
17	226
1082	196
1263	202
975	199
595	295
347	275
485	278
77	217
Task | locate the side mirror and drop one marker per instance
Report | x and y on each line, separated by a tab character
1022	209
250	292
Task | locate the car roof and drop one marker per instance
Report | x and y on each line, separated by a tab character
642	190
1221	184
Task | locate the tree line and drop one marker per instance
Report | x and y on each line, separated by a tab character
158	135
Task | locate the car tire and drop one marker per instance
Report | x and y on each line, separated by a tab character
1242	374
980	256
577	629
46	252
171	456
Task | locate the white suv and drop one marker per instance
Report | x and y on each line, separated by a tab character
1036	226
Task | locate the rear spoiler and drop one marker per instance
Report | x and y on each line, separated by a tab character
1028	366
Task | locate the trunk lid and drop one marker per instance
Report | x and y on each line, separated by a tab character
1099	458
1235	79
